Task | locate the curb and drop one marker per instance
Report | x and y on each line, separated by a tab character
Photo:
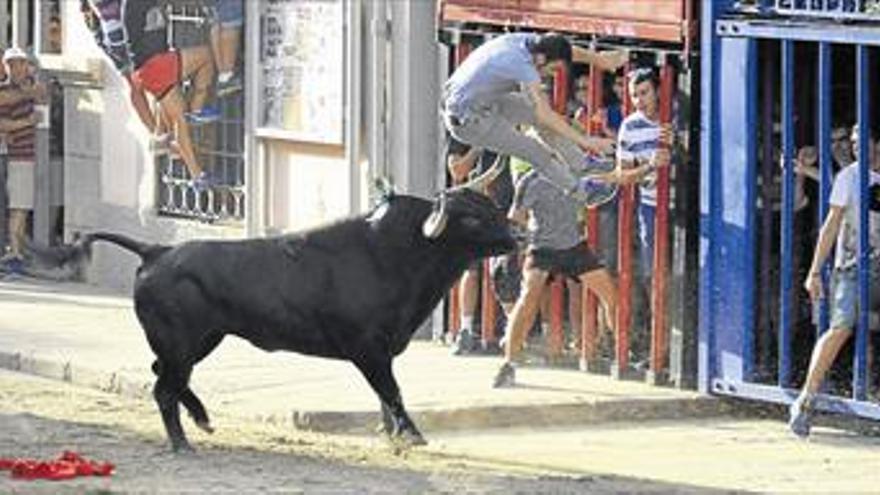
358	422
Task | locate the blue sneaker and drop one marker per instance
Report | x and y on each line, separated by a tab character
799	417
205	115
12	266
203	182
592	192
597	164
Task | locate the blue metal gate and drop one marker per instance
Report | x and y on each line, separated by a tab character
776	65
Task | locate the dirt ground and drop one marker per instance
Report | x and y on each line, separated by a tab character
41	418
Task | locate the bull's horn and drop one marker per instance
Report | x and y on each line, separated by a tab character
481	182
435	224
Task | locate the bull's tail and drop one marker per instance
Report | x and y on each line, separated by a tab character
76	255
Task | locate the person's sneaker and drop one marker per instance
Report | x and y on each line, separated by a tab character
506	377
226	87
203	182
12	266
463	344
597	164
204	115
799	417
592	192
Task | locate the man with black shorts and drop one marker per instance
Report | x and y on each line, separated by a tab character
556	247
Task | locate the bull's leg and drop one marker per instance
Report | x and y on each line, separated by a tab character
387	424
399	425
169	388
193	405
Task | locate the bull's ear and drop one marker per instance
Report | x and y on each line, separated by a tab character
435	224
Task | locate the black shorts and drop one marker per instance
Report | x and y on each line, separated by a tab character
572	262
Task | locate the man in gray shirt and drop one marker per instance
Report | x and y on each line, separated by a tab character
556	247
497	90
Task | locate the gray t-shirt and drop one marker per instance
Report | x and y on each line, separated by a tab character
845	193
553	223
498	67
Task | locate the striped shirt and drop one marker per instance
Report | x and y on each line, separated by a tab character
637	141
20	144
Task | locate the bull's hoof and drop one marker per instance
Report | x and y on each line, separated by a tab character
205	426
183	448
409	438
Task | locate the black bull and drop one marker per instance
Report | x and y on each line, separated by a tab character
354	290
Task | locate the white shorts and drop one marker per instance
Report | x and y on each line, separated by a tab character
20	185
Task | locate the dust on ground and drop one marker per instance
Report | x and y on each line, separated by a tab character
41	418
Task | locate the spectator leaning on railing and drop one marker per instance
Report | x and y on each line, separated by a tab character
841	228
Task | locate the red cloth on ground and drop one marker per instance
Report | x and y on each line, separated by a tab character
68	465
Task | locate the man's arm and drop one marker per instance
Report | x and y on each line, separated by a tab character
552	120
460	166
12	125
827	237
518	215
609	60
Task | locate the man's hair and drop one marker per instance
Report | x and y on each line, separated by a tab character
641	74
553	46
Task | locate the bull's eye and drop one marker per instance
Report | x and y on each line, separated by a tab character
471	222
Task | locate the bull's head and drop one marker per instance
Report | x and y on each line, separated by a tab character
462	215
436	223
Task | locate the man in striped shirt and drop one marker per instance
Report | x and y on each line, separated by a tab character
18	95
643	145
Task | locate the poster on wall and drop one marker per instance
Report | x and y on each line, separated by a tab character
302	61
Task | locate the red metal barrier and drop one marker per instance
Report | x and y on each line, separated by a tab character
557	333
661	238
589	334
490	308
626	208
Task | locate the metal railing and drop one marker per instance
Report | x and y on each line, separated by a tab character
843	10
219	145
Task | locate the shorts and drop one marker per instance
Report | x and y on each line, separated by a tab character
572	262
159	74
230	13
845	295
20	178
506	276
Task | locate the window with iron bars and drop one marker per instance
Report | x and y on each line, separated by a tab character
219	145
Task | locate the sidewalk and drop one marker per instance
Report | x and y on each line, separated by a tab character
557	422
90	336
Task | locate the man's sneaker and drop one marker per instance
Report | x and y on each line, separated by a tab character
463	344
205	115
203	182
506	376
597	164
591	191
799	417
229	86
12	266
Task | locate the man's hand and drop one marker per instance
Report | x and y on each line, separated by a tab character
600	145
813	285
666	136
459	170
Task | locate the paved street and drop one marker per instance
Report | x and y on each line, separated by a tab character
559	422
